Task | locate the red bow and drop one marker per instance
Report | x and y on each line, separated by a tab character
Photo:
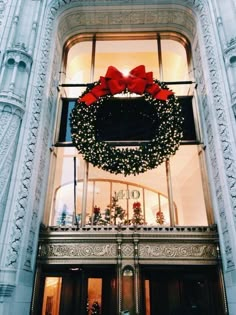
138	81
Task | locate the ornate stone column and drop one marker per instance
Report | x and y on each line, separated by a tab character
13	82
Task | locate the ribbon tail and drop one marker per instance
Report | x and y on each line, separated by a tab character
88	99
163	95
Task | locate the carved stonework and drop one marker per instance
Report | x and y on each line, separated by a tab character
6	290
51	107
10	120
158	17
2	9
125	247
178	251
227	151
85	251
230	60
23	195
127	250
35	213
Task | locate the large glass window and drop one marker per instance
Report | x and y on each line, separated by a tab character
171	194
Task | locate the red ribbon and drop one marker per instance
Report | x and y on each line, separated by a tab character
138	81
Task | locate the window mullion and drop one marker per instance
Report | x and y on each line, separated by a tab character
168	173
85	191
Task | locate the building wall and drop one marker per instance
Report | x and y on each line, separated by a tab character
32	36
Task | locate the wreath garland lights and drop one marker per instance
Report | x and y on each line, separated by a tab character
130	160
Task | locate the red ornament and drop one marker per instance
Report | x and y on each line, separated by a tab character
136	205
96	210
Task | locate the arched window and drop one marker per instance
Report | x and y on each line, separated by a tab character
176	192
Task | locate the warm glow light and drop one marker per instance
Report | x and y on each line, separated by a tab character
125	72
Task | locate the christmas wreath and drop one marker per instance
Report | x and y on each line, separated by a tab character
129	160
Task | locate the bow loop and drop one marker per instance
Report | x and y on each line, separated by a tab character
115	80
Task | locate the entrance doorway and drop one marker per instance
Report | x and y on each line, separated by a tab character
78	290
164	290
182	290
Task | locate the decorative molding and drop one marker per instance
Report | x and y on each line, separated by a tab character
35	213
24	186
78	250
10	121
161	231
228	152
6	290
158	17
178	251
18	55
127	250
52	102
2	9
127	246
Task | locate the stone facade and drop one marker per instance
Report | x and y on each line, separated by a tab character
30	61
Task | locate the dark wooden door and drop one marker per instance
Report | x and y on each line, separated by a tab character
182	291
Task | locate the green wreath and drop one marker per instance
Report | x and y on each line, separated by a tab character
128	160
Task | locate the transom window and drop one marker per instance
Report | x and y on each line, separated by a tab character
175	193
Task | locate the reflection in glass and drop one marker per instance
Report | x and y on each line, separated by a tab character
118	194
51	297
188	186
94	300
78	67
147	297
62	207
175	65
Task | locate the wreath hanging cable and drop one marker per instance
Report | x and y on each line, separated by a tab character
127	161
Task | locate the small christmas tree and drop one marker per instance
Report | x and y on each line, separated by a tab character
95	308
107	216
137	214
96	217
64	213
117	211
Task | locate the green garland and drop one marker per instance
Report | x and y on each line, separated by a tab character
127	161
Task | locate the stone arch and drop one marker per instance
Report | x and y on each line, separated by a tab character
61	18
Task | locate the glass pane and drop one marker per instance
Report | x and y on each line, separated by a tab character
94	296
136	206
187	186
126	55
78	67
147	297
63	201
156	208
175	66
51	297
65	130
132	199
195	297
128	303
98	201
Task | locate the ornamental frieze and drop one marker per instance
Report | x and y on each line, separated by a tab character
127	250
148	17
206	251
168	251
78	250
